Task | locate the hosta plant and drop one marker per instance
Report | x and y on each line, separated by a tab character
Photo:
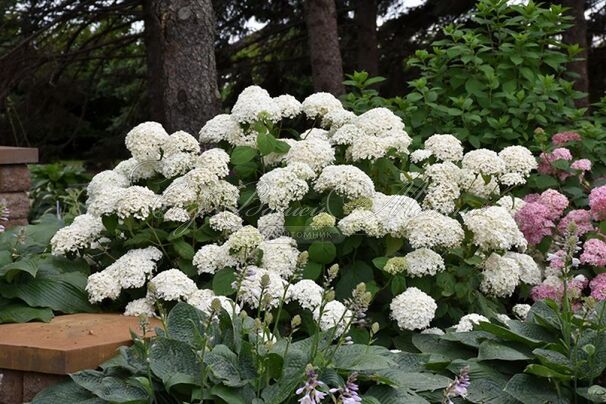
277	194
223	357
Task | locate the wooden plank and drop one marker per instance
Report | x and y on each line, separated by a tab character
67	343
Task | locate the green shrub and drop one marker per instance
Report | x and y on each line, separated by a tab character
57	188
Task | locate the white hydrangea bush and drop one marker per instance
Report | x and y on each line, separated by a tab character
267	217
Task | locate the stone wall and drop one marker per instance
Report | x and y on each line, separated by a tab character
15	182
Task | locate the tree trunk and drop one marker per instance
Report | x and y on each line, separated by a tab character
577	34
367	44
182	74
325	55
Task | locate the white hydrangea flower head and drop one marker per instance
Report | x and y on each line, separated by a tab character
103	285
484	161
503	318
518	159
180	193
314	152
280	255
394	212
202	300
315	133
319	104
177	164
217	196
104	201
322	220
137	201
140	307
432	229
511	203
530	273
135	267
346	134
361	221
271	225
146	141
334	315
420	155
221	127
288	105
433	331
512	179
396	265
476	185
413	309
468	321
211	257
171	285
135	170
372	148
176	214
500	277
251	290
302	170
105	180
214	161
337	118
521	311
307	293
225	221
424	262
243	243
84	230
380	122
445	147
493	228
346	180
280	187
181	142
442	197
254	103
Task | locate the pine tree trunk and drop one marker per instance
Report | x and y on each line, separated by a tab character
577	34
182	75
367	44
325	55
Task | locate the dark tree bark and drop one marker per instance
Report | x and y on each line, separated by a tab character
323	37
367	57
179	39
577	34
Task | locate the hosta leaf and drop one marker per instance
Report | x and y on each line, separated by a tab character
362	357
168	357
492	350
224	365
532	390
186	323
26	266
68	392
21	313
390	395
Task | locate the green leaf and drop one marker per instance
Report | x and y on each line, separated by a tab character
224	365
323	252
532	390
56	292
242	154
184	249
186	323
595	393
222	281
362	357
390	395
312	270
380	262
544	371
67	392
26	265
114	389
20	313
281	147
169	357
492	350
265	143
227	394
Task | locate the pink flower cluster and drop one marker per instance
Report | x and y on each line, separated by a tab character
598	287
582	219
537	218
553	288
546	162
594	253
597	202
565	137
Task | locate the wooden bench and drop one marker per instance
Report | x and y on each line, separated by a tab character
34	356
15	181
